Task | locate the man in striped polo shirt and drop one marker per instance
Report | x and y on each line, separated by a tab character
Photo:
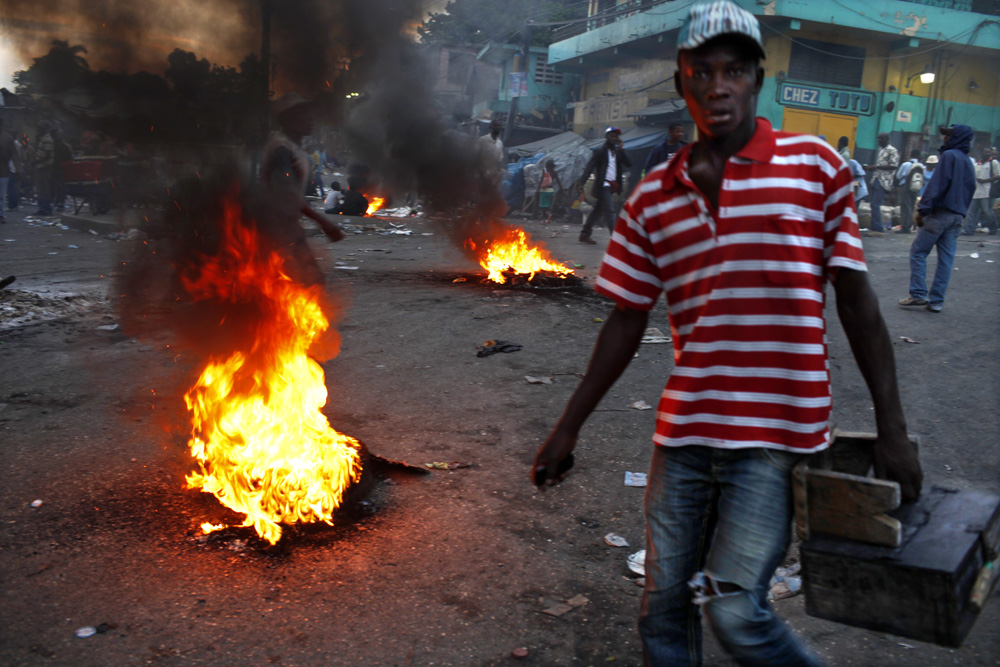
741	230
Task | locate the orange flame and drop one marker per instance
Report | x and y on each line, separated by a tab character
263	446
514	253
374	204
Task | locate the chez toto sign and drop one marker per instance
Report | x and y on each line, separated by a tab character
827	99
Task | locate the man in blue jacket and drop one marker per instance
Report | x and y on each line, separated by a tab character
939	217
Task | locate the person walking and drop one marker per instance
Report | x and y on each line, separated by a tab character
909	181
884	170
285	172
742	260
939	218
607	164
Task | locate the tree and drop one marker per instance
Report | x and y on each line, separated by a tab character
61	69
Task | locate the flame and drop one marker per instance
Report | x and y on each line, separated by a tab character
513	252
374	204
263	446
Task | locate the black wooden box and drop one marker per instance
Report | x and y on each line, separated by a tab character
920	589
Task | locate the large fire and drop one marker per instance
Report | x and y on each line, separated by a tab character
374	204
512	252
263	446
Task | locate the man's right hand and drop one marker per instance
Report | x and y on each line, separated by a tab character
553	451
918	218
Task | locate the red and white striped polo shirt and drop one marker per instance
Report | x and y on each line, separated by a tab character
744	287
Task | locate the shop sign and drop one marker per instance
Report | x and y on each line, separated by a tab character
856	102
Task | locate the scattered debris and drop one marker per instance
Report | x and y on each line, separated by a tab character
74	247
495	346
37	503
598	319
537	380
108	327
905	645
519	653
452	465
907	339
86	631
615	540
635	478
654	336
588	523
346	268
461	279
565	607
974	255
641	405
786	582
637	562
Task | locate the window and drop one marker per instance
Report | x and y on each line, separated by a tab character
824	62
544	72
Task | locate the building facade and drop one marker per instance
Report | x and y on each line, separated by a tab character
835	68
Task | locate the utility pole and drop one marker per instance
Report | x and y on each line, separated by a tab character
525	47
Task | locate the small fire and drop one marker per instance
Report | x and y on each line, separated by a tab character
263	446
513	253
374	204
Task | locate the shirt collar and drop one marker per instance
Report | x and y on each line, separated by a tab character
760	148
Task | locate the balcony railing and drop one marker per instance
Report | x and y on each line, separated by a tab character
631	7
604	17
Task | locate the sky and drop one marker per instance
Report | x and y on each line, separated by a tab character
131	36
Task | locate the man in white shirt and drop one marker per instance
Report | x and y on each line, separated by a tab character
981	213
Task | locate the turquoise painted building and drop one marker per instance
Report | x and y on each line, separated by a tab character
851	68
543	91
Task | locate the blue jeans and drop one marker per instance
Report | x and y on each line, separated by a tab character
725	515
603	210
877	195
941	228
980	215
3	189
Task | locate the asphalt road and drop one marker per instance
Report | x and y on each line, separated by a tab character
454	568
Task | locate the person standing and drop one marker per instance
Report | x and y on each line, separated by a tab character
939	218
492	156
44	160
981	212
910	184
750	391
607	164
666	150
930	164
8	152
884	170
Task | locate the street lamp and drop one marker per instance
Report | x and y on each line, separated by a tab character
927	76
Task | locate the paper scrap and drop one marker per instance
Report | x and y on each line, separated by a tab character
635	479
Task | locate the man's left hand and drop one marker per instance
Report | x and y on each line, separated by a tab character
896	460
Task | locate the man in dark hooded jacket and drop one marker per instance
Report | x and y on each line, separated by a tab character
939	217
